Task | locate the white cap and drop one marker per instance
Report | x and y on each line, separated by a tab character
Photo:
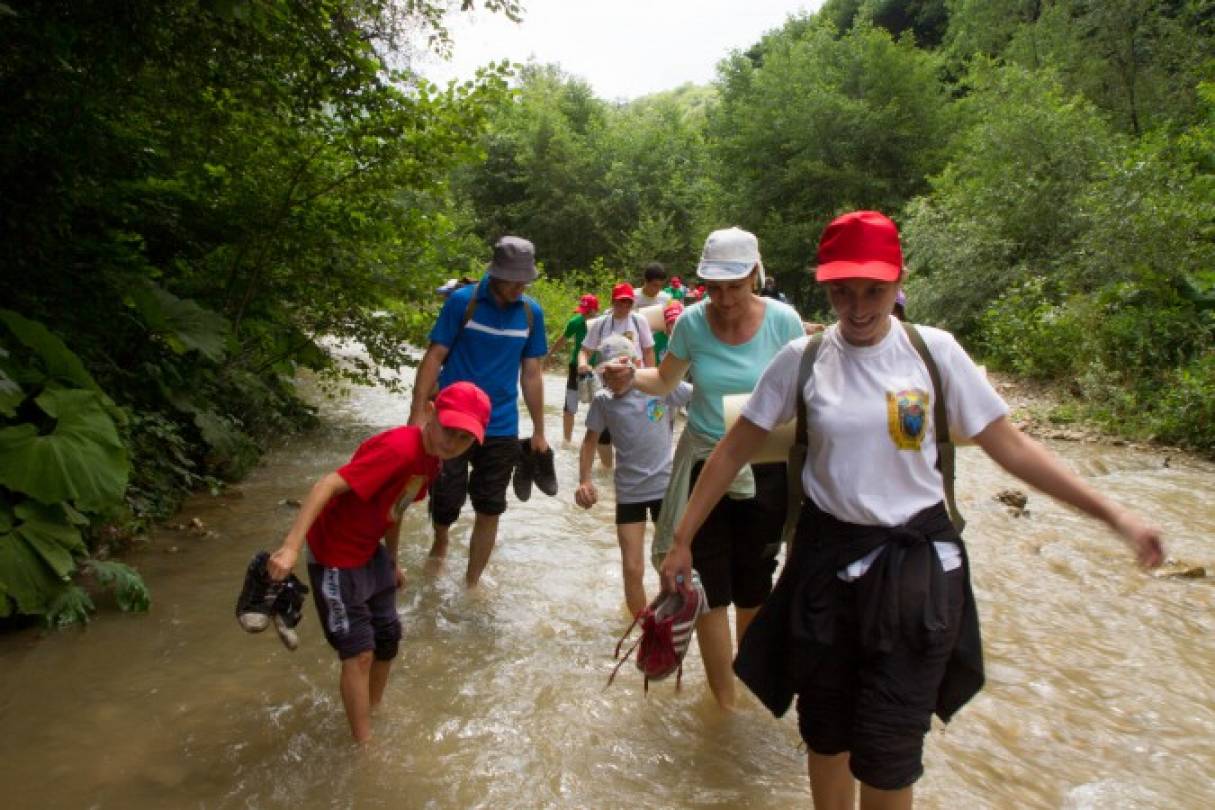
614	346
729	254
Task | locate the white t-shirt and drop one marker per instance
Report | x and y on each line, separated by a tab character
634	327
871	457
642	300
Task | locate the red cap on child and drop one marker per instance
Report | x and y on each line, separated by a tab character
464	406
623	290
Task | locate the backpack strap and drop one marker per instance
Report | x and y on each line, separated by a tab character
940	419
801	440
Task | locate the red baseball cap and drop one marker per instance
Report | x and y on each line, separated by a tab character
623	290
587	304
672	312
860	244
464	406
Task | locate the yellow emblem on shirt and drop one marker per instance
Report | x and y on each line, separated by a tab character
906	417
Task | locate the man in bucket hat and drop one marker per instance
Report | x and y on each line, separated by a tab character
490	334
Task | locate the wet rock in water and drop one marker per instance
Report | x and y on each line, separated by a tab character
1014	499
1175	569
197	526
292	502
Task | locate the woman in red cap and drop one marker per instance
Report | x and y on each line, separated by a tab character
873	622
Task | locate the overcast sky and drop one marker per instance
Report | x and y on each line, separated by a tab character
624	48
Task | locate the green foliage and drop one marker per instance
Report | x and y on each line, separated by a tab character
60	457
812	124
1007	207
195	194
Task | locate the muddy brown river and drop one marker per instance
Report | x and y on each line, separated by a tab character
1100	694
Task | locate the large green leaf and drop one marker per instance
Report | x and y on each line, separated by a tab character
81	460
184	325
24	578
11	395
60	361
47	531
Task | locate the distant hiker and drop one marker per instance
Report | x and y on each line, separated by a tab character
873	623
491	334
575	331
354	576
769	290
641	427
725	342
622	320
651	293
900	306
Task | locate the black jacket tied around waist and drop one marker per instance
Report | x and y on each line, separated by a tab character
903	595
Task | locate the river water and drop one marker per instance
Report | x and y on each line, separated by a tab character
1100	694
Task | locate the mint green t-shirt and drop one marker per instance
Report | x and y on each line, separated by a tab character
719	369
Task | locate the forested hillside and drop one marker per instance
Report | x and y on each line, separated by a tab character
195	193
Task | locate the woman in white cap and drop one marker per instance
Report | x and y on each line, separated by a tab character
725	342
873	622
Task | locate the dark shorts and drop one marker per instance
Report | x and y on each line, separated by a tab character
635	512
571	382
877	706
605	437
492	464
358	607
735	550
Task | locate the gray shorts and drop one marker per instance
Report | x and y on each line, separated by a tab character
358	606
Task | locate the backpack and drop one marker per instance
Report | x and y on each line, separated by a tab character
940	420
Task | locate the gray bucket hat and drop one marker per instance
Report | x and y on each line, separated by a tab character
514	260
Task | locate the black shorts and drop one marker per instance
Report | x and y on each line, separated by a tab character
877	706
735	550
605	437
358	606
635	512
571	382
492	465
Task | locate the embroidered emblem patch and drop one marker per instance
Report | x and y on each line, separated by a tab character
655	409
906	417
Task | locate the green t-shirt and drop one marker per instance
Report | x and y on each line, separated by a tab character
719	369
575	328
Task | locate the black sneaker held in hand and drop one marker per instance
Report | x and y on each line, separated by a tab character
263	601
525	468
544	472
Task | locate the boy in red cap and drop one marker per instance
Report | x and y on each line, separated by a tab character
355	576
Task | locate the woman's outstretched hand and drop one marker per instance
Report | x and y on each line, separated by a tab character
1143	538
618	375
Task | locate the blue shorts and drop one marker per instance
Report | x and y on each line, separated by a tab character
358	606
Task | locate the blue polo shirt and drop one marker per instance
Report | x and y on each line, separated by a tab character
489	349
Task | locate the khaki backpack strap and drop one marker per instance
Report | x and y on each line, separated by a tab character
940	420
801	440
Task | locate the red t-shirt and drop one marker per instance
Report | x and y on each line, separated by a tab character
383	471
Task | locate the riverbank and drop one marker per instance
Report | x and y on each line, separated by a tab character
1049	411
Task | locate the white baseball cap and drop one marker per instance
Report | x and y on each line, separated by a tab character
729	254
